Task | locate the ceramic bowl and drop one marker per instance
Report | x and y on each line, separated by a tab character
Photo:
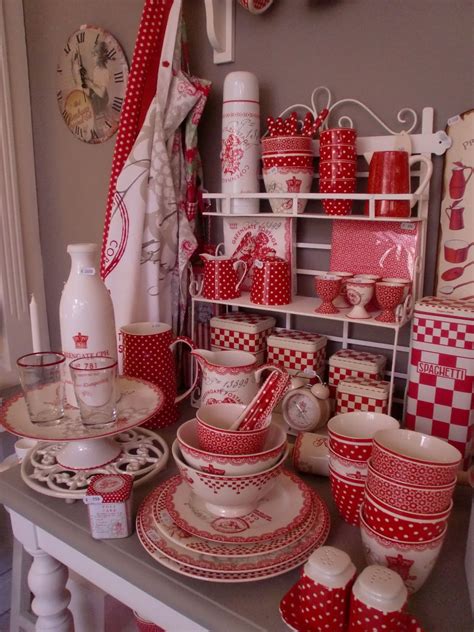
287	179
286	144
338	135
337	152
352	468
337	169
348	495
399	527
413	457
350	434
228	496
414	498
214	421
230	464
413	561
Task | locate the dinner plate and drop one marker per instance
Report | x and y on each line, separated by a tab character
315	534
216	576
139	401
168	528
282	510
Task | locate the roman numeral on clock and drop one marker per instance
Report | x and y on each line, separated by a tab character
66	117
59	96
111	52
117	104
67	49
118	77
109	125
94	135
81	37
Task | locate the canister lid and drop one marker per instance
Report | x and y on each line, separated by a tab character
364	386
446	306
293	338
243	321
359	360
241	86
109	488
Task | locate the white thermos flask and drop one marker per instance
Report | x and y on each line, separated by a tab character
240	151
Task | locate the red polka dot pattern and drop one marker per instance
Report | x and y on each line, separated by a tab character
348	496
398	528
363	618
271	283
141	88
113	488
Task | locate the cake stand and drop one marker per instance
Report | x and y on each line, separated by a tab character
69	453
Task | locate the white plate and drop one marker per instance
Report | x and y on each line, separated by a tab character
168	528
139	401
216	576
317	531
285	508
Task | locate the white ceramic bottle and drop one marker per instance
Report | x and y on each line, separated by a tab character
86	312
240	150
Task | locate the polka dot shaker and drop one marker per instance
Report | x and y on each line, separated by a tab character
378	601
271	283
324	589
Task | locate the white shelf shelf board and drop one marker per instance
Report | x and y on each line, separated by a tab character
303	306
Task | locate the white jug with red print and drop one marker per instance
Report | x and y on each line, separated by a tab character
86	313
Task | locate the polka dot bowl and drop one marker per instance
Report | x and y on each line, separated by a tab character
213	423
350	434
348	496
351	468
230	464
228	496
399	527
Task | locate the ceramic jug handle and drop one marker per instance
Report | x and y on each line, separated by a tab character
266	367
426	179
195	287
191	345
218	247
244	271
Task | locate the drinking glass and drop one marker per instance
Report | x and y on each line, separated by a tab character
41	378
95	387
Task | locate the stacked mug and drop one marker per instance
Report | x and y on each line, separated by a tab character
350	447
337	167
408	499
287	168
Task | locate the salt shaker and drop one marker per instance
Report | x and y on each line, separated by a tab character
324	589
240	153
378	600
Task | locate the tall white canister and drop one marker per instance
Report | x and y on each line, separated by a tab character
86	313
240	151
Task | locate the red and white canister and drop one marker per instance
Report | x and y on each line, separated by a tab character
297	351
109	503
440	394
271	283
242	331
351	363
360	393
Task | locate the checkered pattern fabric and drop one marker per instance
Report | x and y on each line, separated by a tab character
443	333
349	402
295	361
440	398
239	340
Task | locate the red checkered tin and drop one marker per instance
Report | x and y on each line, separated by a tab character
109	503
360	393
241	331
440	393
296	350
350	363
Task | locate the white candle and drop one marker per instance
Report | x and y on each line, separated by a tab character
35	325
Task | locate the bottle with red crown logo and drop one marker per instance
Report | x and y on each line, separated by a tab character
86	312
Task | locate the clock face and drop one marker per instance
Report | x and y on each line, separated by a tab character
92	76
301	410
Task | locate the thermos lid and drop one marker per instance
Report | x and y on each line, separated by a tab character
241	86
82	248
330	567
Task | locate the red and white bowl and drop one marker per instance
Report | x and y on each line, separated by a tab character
338	136
228	496
230	464
413	457
351	468
414	498
337	152
350	434
399	527
348	495
286	145
214	421
337	169
413	561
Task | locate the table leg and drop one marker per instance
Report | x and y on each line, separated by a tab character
47	581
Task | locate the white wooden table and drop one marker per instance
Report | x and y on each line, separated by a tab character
57	536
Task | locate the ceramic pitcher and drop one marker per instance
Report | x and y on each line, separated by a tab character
228	376
221	281
147	354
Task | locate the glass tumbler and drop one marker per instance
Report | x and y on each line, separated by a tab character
95	387
42	380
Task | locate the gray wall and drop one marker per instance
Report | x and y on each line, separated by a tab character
387	53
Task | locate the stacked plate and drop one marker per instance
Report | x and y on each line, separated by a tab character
177	529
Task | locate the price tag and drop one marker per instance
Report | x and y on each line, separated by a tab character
87	271
407	226
92	500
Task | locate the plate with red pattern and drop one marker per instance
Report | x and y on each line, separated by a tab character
314	537
282	510
164	523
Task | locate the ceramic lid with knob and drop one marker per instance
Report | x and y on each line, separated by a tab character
380	588
330	567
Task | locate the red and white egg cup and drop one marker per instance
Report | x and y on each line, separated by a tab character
348	495
389	296
328	287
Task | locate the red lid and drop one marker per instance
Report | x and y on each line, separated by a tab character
112	488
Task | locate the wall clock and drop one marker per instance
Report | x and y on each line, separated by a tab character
92	76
